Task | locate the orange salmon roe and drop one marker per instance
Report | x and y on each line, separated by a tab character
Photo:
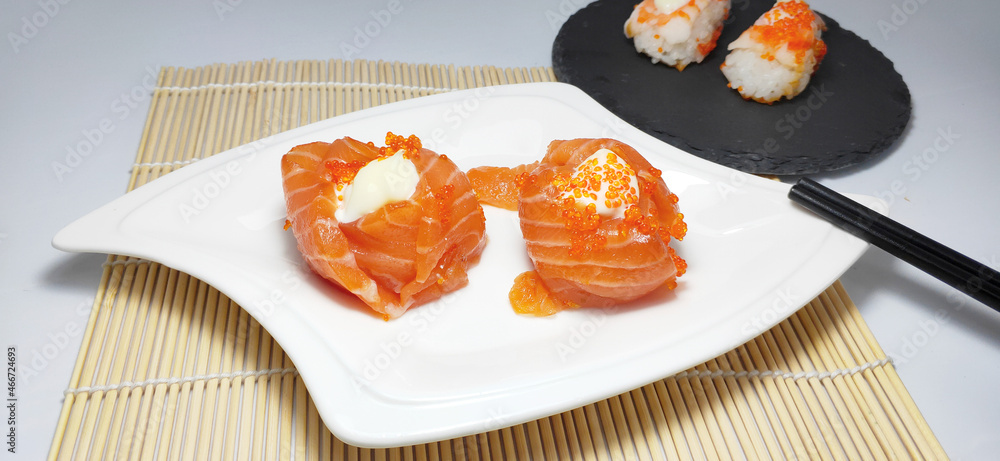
681	264
648	10
342	173
679	229
819	51
442	198
525	178
790	23
609	183
646	225
582	225
591	178
394	143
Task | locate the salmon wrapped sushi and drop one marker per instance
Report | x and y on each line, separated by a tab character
597	220
676	32
396	226
777	56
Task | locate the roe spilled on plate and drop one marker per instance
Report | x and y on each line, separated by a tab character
597	220
396	226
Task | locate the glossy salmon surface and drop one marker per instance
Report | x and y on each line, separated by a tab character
580	257
402	254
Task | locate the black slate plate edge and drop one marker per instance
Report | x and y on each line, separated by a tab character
753	162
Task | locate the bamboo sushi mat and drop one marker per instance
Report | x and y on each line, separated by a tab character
170	368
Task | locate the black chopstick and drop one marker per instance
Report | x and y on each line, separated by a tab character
961	272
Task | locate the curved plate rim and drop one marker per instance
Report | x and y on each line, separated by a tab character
361	417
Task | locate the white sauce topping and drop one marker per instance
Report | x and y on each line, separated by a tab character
618	184
380	182
668	6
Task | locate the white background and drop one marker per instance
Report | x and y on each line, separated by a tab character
79	63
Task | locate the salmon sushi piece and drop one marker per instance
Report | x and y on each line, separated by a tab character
676	32
777	56
597	220
396	226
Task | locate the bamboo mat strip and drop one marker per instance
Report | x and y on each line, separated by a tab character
170	368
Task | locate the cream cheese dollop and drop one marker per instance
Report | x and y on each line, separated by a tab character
606	181
380	182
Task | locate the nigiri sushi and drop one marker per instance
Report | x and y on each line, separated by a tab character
777	56
396	226
676	32
597	220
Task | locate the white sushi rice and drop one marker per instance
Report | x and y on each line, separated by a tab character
761	79
676	42
767	74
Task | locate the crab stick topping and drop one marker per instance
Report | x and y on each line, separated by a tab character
603	181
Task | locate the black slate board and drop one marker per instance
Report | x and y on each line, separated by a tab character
855	107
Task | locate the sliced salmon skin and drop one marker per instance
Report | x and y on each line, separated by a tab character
580	258
405	253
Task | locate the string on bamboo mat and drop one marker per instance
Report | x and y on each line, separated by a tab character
752	374
169	368
183	380
309	85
